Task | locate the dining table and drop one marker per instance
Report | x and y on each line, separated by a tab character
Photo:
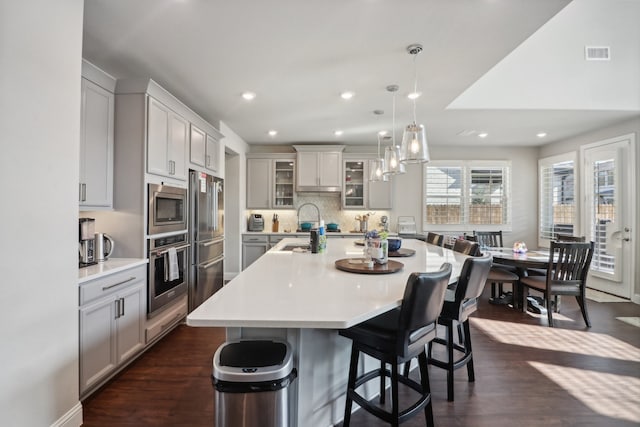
523	263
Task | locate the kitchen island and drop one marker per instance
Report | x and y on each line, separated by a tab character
305	299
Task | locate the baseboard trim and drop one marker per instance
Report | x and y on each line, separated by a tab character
73	417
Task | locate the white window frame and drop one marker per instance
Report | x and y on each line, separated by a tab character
545	163
466	166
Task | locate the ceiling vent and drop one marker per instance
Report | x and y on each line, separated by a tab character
597	53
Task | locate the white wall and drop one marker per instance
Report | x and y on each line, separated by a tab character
574	144
40	63
235	199
408	187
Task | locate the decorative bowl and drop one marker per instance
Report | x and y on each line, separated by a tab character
394	244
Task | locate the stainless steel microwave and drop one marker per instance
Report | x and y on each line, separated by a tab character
167	209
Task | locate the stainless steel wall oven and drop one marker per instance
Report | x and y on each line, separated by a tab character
168	270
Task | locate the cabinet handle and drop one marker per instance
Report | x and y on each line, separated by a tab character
117	302
104	288
80	191
208	160
83	192
122	307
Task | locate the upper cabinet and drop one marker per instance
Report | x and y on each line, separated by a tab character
360	193
204	149
96	139
319	167
166	141
270	183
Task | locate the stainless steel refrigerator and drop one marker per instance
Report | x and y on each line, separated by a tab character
206	234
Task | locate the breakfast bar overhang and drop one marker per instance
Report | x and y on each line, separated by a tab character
303	298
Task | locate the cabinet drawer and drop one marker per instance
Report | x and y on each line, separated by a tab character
166	321
98	288
252	238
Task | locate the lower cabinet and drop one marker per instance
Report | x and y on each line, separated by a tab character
253	247
112	322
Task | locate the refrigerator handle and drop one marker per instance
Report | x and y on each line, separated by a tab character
214	206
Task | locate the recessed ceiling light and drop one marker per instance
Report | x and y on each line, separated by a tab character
383	132
248	95
541	134
273	133
414	95
347	95
338	133
483	135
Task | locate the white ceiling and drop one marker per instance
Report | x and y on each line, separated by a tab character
511	68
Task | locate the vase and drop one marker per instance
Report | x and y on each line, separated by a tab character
377	250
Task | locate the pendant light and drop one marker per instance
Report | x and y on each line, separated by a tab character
376	172
414	141
392	165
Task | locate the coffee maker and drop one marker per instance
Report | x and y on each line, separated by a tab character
87	228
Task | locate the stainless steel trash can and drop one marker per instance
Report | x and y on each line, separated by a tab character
251	380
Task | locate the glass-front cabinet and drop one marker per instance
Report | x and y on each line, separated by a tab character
284	183
353	195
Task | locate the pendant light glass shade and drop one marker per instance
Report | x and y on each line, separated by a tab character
392	165
376	168
414	140
414	145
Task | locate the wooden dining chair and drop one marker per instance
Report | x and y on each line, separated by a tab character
435	239
559	238
566	275
466	247
498	275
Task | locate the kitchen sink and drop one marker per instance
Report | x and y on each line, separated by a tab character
303	246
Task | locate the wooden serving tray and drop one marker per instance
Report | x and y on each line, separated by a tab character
390	267
402	252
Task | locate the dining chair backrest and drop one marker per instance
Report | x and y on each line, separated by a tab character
571	261
435	239
489	239
421	304
569	238
466	247
473	277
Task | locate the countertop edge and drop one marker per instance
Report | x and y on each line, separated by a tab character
108	267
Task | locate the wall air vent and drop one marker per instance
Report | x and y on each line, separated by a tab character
597	53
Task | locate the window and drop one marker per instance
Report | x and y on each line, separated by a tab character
557	199
472	194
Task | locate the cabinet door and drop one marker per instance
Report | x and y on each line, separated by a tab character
258	183
251	252
330	169
97	341
197	146
212	154
353	190
283	182
307	170
158	138
96	146
178	128
379	193
130	322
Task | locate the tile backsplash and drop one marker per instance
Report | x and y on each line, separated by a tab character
330	207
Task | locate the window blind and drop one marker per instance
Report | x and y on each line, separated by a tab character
557	199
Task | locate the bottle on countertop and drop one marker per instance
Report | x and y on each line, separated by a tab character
314	241
322	237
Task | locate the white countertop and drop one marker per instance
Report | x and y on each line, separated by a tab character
110	266
304	233
304	290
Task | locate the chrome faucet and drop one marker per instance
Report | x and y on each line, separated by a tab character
317	211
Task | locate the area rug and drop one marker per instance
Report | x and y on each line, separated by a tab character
598	296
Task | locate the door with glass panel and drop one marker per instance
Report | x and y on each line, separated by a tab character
609	199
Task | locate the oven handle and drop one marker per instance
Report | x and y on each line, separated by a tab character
162	252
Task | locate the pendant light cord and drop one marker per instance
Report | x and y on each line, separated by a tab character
393	120
415	86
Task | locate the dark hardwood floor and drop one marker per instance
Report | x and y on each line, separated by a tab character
527	374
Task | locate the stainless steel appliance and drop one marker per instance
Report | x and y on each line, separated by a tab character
256	222
206	234
103	246
167	209
86	245
168	270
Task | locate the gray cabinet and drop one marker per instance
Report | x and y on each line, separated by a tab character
360	193
204	149
270	183
253	247
166	141
112	314
319	168
96	147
